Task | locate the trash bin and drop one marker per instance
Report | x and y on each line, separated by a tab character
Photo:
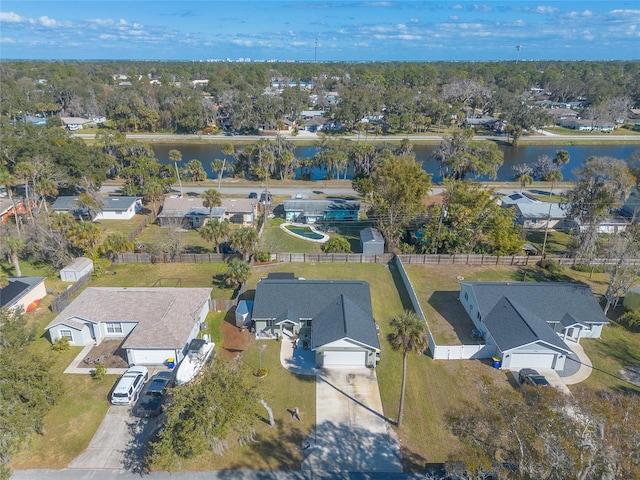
497	362
171	362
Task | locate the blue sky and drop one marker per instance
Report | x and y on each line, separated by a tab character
344	30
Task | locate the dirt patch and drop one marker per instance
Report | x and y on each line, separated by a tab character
234	340
109	353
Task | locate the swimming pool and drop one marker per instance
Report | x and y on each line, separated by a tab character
304	232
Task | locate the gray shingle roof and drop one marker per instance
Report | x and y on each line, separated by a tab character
165	316
17	288
512	326
109	204
338	308
548	300
539	210
517	313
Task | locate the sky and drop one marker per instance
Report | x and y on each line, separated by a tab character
320	30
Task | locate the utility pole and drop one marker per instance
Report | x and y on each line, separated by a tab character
315	52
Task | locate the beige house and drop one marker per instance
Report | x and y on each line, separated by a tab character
241	211
155	324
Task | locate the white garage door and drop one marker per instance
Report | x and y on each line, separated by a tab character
345	357
150	357
532	360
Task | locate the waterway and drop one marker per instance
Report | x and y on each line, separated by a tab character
206	153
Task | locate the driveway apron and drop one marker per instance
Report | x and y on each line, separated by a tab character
352	434
117	444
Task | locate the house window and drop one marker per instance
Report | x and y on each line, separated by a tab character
466	296
269	324
479	316
114	327
66	334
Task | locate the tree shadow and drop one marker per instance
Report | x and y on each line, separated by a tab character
134	458
196	249
446	304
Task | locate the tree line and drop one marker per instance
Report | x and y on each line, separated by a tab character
158	96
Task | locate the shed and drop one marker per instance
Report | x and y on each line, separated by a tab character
243	313
371	241
76	269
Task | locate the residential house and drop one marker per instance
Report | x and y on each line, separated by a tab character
22	293
187	212
534	216
240	211
631	204
8	208
331	317
112	208
154	323
314	210
74	123
529	323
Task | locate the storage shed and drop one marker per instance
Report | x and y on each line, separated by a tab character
371	241
76	269
243	313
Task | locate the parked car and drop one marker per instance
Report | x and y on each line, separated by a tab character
253	195
529	376
129	385
150	402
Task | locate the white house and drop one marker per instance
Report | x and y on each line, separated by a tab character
22	293
112	208
155	323
529	323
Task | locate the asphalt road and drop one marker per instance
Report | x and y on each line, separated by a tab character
545	137
215	475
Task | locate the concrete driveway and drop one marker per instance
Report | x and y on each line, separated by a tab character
117	444
352	434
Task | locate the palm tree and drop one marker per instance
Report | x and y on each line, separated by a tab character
175	156
13	247
211	198
408	335
153	191
215	231
8	181
524	181
554	176
218	166
244	240
238	271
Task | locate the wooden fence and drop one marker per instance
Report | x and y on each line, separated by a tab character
166	258
476	259
141	226
62	300
332	257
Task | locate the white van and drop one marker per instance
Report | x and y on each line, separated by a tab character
129	385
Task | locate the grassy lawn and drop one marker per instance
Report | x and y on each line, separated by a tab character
192	242
122	226
274	240
557	242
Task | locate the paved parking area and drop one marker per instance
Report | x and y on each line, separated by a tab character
352	434
117	444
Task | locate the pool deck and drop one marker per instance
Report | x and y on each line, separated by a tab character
325	237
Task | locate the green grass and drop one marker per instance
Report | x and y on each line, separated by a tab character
557	242
554	198
122	226
274	240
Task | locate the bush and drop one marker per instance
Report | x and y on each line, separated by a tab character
99	372
337	244
588	269
260	372
630	318
60	345
262	256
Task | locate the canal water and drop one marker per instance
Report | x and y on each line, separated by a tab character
206	153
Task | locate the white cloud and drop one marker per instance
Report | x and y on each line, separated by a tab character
544	9
458	7
402	26
414	20
11	17
454	18
7	40
47	22
409	37
482	8
626	12
376	4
